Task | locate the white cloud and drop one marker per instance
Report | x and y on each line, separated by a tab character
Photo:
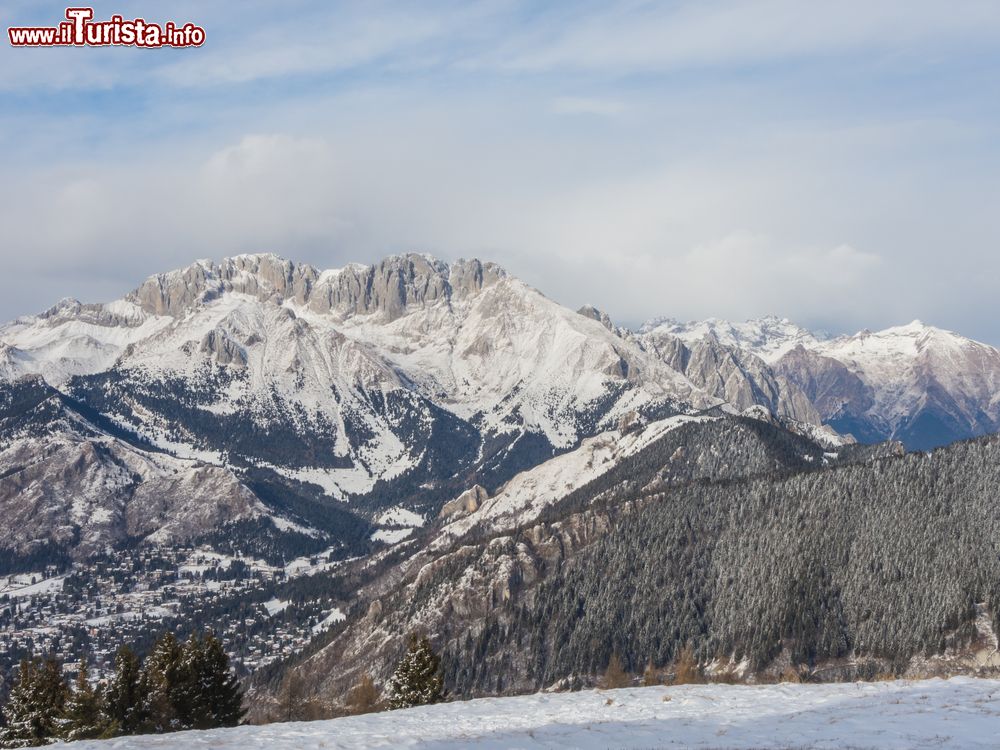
616	153
746	274
631	245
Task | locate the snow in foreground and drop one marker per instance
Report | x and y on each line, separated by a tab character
957	713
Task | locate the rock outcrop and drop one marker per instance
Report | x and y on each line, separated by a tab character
466	503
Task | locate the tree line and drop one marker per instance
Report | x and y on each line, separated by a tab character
178	686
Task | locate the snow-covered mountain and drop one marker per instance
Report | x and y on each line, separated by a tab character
769	337
922	385
67	482
736	375
444	443
398	386
914	383
399	382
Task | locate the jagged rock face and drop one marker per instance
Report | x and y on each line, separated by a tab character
224	349
396	284
914	383
737	377
589	311
259	276
838	394
389	287
768	337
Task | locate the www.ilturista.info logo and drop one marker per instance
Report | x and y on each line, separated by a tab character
80	30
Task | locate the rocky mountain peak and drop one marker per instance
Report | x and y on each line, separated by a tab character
398	282
263	276
589	311
768	337
389	286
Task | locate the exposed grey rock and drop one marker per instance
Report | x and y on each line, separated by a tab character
90	492
399	282
261	276
224	349
388	287
832	388
738	377
468	502
916	383
589	311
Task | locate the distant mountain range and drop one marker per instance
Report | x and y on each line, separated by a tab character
917	384
257	390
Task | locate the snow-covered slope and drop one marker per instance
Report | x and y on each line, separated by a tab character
914	383
959	713
403	383
73	339
508	357
737	376
521	499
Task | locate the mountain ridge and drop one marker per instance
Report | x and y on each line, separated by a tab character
398	385
917	383
390	385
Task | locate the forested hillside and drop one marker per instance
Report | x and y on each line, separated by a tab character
885	559
868	565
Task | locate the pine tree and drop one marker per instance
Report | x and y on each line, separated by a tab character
35	706
124	698
208	694
417	680
159	685
82	714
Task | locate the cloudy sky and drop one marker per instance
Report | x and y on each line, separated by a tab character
835	163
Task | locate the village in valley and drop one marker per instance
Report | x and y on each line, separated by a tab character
132	596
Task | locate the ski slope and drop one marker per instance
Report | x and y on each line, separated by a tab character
956	713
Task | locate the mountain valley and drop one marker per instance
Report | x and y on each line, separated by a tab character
318	462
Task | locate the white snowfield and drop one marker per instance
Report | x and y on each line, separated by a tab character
956	713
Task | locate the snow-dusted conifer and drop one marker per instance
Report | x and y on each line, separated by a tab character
417	680
82	716
124	698
208	694
35	707
159	684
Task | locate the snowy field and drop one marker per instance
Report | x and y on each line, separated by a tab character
956	713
